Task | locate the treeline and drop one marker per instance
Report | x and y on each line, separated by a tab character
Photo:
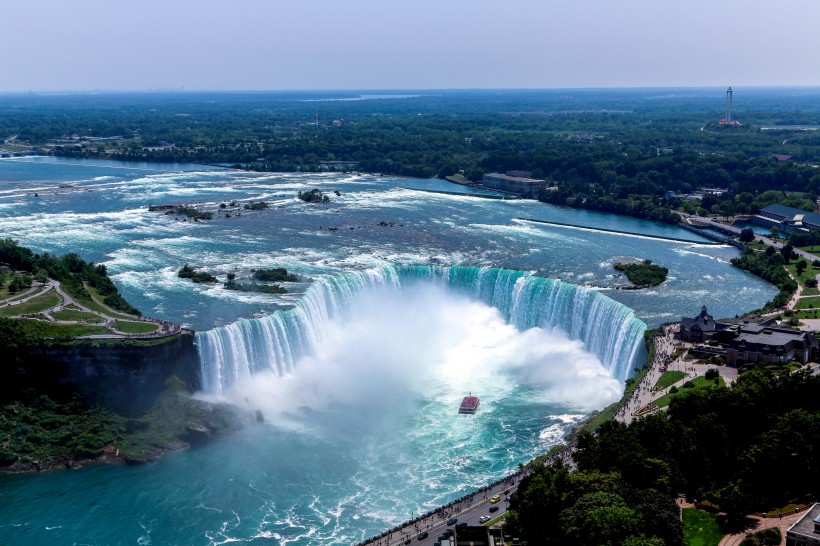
613	151
71	270
554	506
744	449
768	265
638	206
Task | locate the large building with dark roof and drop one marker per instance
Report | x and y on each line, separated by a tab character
760	343
701	328
743	341
787	219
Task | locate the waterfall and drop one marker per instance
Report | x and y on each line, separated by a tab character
608	329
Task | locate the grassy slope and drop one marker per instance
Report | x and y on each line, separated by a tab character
135	327
69	330
700	528
34	305
75	315
699	383
669	378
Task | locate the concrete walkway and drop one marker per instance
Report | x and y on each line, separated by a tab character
763	523
33	292
163	328
645	394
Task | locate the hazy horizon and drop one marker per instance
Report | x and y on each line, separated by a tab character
319	45
398	90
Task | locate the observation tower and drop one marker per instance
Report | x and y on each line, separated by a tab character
727	120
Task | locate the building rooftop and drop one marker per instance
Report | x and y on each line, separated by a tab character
513	178
793	214
806	525
704	321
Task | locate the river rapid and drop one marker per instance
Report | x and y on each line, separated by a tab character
407	299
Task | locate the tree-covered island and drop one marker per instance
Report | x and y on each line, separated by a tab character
642	274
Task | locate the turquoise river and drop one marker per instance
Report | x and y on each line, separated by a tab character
407	298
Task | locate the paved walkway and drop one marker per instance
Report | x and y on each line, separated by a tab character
163	328
763	523
33	292
645	394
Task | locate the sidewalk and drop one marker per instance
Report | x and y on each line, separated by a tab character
644	394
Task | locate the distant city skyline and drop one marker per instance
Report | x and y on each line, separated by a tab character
51	45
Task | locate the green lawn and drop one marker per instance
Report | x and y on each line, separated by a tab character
698	382
811	249
807	313
128	327
49	329
669	378
808	273
757	245
34	305
809	303
700	528
76	314
92	303
99	299
810	292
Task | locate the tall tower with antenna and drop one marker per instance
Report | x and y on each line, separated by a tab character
727	119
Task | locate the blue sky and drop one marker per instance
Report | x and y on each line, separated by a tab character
49	45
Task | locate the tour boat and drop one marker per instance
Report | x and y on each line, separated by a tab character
469	404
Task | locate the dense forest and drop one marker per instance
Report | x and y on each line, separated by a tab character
612	150
747	448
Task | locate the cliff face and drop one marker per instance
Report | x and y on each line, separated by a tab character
126	378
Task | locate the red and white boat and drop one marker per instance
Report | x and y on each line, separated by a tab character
469	404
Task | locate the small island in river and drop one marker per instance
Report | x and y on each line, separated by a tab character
642	274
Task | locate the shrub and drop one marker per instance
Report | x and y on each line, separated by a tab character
712	374
771	536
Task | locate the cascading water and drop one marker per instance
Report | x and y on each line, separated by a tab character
608	329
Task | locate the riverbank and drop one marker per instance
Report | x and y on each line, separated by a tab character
60	433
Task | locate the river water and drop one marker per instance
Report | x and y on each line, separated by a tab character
360	430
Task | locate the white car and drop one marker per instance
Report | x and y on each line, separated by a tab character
484	519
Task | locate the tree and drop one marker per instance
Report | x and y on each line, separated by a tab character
641	540
775	232
41	276
599	519
747	236
801	266
20	282
770	250
535	507
786	251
